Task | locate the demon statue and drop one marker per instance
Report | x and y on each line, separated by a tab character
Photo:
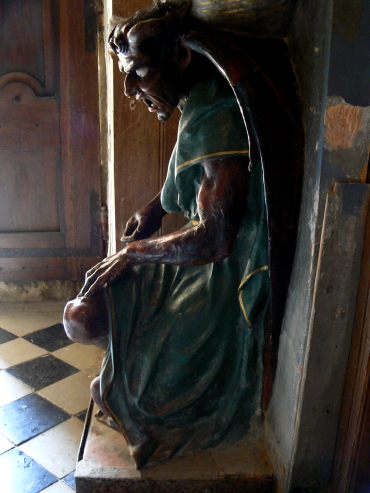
187	317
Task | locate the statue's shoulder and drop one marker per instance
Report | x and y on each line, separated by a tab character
261	76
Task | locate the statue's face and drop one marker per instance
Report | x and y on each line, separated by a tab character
155	83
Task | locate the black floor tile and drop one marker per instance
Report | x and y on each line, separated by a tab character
82	415
70	480
42	371
51	338
6	336
28	417
21	474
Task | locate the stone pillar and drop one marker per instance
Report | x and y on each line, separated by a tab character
328	43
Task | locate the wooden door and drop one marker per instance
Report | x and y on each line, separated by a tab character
49	140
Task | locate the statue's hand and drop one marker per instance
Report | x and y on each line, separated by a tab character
103	273
143	223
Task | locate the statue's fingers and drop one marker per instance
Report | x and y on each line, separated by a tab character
94	269
128	239
90	279
108	276
85	291
138	226
86	287
100	266
130	227
137	234
90	274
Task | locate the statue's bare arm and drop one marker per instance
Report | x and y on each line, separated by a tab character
145	222
221	201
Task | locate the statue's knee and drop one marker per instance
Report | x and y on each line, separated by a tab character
75	321
85	321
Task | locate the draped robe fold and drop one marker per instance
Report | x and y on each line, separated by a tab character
183	369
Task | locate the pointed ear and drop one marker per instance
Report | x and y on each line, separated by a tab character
184	56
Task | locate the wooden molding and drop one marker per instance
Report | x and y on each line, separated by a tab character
355	415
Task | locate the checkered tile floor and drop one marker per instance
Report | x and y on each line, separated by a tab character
44	382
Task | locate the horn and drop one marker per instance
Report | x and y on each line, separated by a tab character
146	29
150	27
118	34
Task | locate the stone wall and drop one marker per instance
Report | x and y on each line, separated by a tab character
257	17
327	41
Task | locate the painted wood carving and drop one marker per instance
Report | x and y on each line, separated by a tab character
188	317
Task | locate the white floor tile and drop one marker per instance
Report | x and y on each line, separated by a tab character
5	444
58	487
18	351
24	322
71	394
12	388
56	449
83	357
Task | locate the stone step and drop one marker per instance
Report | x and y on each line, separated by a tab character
105	466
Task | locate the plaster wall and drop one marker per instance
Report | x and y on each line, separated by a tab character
37	291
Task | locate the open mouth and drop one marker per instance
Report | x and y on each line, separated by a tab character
155	107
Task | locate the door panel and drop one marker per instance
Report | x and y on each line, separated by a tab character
33	184
22	41
49	142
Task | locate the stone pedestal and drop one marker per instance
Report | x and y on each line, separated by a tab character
105	466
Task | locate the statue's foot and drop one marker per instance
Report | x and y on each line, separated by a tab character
143	454
106	420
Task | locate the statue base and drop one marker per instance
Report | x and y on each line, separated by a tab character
105	466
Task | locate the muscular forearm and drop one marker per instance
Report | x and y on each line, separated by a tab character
220	204
208	241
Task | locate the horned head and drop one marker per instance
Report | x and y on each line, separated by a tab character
165	19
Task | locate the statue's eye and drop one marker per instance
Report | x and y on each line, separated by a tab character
142	72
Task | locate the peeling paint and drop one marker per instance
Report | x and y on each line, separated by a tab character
343	123
364	172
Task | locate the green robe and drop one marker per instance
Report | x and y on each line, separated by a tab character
183	370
